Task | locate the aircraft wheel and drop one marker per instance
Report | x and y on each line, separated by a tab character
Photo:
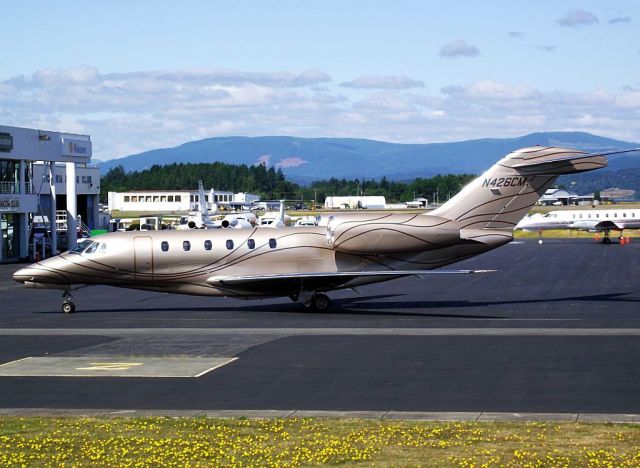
606	240
321	302
68	307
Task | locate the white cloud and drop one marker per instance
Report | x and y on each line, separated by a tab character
127	113
458	48
576	18
383	82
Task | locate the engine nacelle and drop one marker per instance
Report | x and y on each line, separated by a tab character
391	233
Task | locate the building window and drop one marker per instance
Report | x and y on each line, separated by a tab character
164	246
163	198
134	199
156	198
178	198
148	200
207	245
272	243
229	244
126	198
186	246
170	198
251	244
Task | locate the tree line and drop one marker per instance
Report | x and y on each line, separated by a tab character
271	184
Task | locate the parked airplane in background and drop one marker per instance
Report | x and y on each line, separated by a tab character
305	263
202	219
585	220
274	220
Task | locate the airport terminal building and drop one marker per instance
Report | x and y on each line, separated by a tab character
176	201
43	174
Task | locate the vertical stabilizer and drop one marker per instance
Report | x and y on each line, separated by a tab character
503	195
202	203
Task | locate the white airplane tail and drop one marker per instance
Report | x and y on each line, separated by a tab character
202	204
503	195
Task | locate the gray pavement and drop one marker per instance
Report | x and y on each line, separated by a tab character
553	334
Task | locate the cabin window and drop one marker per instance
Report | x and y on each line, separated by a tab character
163	198
207	245
229	244
164	246
624	215
597	215
178	198
134	199
607	215
186	246
574	216
170	198
272	243
103	248
156	198
251	244
126	198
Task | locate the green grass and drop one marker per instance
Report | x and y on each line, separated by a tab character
160	441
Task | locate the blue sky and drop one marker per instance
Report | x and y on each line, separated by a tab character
137	75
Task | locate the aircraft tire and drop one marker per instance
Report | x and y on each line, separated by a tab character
606	240
321	302
68	307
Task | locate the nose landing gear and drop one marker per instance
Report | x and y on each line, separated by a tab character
68	306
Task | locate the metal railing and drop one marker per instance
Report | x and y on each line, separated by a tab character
61	222
13	188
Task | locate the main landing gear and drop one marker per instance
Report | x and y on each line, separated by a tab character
320	302
313	301
68	306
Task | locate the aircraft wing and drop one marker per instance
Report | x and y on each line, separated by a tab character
617	225
291	283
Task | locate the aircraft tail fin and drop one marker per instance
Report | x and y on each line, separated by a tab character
202	203
503	195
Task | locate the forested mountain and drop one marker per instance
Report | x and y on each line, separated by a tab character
304	160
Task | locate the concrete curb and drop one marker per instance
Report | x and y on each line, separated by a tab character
379	415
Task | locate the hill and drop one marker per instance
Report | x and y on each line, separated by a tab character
306	159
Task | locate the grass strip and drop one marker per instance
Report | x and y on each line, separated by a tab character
163	441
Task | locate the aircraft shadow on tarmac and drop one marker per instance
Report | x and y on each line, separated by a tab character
358	306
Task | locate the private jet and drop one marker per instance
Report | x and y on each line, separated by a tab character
305	263
603	221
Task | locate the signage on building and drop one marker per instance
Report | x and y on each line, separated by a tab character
76	147
9	204
6	142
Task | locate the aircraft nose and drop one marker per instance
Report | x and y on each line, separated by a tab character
26	274
38	273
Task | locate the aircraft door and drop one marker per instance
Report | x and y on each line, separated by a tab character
143	258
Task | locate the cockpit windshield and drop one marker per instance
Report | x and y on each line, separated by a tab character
83	245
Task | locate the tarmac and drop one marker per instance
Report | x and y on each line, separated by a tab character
553	334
